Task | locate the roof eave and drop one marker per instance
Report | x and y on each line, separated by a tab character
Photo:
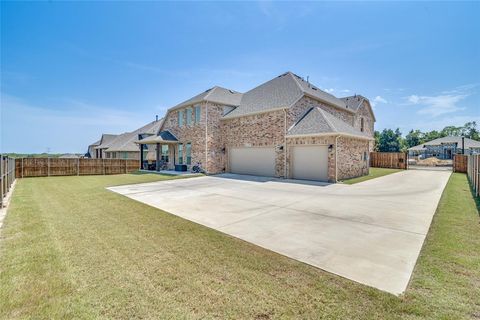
328	102
227	117
330	134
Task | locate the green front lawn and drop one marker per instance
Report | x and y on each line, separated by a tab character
373	173
69	248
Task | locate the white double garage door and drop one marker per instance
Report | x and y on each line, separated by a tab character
306	162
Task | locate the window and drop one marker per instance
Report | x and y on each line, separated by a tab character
189	116
197	114
362	124
165	152
180	153
188	153
125	155
180	118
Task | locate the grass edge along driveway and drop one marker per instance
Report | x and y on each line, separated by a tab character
71	249
373	173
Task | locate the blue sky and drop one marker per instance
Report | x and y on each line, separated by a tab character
72	70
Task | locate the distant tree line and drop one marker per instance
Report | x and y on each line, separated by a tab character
392	141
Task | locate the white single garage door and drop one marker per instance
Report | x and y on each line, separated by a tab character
256	161
310	163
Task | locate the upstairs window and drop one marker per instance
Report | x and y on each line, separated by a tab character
180	153
180	118
189	116
188	153
362	125
197	114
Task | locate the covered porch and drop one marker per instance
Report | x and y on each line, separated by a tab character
159	153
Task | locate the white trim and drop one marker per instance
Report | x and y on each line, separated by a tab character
329	134
252	113
206	136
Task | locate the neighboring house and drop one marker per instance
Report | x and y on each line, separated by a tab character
102	145
445	148
285	127
70	156
92	152
123	146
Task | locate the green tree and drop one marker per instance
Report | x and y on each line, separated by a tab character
470	130
451	131
432	135
414	138
390	141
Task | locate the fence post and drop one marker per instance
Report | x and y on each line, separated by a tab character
48	167
22	167
78	166
125	166
103	166
1	184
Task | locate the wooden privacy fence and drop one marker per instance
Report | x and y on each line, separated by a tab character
7	176
394	160
473	172
460	163
46	167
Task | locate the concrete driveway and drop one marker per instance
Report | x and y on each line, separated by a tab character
371	232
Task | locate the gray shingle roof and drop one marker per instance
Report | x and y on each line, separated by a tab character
353	102
126	141
106	140
216	95
318	121
164	136
469	143
281	92
96	143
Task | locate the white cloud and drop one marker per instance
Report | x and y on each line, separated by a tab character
377	100
438	123
437	105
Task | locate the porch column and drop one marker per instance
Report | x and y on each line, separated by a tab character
141	156
157	162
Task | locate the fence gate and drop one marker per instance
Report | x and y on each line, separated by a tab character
393	160
419	161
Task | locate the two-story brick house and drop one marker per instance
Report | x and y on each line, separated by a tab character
285	128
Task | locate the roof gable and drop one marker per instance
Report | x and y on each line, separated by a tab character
355	102
318	121
216	95
281	92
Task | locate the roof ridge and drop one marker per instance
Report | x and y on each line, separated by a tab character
326	119
210	92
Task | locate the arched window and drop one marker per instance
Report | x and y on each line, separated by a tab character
362	128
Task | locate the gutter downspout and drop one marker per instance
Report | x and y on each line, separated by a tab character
285	146
336	158
206	136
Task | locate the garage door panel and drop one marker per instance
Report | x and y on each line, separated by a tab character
253	161
310	163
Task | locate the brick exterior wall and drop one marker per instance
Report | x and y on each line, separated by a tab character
197	134
351	154
305	103
368	122
258	130
266	130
